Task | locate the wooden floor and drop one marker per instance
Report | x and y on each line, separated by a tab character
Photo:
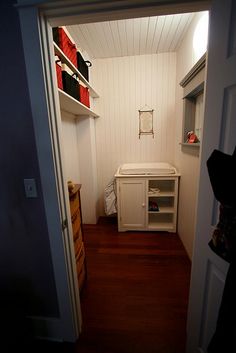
136	295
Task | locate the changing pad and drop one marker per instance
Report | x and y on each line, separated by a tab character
147	168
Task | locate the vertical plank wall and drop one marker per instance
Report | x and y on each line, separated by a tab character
127	84
186	158
70	147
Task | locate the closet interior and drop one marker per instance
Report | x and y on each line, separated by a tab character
105	73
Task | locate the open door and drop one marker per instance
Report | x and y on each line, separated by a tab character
209	270
39	58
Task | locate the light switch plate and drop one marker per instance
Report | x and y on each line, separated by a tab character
30	188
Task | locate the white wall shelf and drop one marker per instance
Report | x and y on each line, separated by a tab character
73	106
163	210
197	144
66	61
161	194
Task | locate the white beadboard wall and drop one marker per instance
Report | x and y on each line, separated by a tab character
125	85
186	158
79	157
70	147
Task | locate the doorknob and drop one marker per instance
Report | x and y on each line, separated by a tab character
143	205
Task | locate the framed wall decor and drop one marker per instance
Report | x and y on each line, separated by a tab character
146	122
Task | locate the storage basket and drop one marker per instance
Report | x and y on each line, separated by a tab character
61	38
83	65
70	83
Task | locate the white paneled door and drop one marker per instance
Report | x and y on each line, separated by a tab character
132	203
209	270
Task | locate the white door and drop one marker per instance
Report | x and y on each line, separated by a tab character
131	203
209	270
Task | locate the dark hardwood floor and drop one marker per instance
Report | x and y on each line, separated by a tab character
136	294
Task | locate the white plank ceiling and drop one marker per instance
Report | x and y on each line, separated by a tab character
147	35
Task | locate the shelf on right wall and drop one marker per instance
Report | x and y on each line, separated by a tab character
193	100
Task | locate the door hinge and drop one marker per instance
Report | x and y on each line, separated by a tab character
64	224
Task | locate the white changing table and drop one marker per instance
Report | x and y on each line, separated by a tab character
147	196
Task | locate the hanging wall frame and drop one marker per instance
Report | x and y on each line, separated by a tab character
146	121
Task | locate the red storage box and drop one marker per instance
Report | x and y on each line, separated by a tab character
59	76
84	95
67	46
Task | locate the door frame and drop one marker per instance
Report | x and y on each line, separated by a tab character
40	16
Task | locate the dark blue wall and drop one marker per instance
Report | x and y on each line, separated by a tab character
26	273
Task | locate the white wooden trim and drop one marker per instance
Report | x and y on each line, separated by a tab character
87	11
56	133
45	108
194	71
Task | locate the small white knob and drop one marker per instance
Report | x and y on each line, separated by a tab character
143	204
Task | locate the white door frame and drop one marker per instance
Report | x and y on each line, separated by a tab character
46	112
36	19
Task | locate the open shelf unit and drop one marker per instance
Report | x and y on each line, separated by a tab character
67	102
165	201
161	222
66	61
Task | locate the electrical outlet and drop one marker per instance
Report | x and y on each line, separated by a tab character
30	188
